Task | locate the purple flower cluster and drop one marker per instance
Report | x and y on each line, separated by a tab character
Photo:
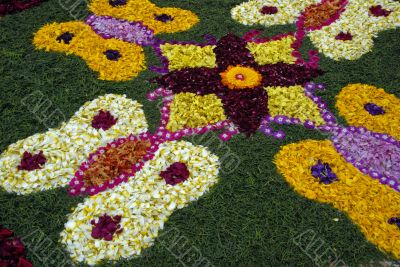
131	32
323	172
375	156
106	227
394	220
112	55
374	109
31	162
164	18
176	173
66	37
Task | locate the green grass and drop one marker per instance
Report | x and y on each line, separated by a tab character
251	216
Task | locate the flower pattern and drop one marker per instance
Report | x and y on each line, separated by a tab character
239	78
341	29
64	148
345	164
110	40
363	199
371	107
269	12
143	204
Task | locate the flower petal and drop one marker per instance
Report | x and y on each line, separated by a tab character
192	80
232	50
246	108
292	102
188	110
182	56
272	52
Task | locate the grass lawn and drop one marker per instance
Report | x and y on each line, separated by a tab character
252	216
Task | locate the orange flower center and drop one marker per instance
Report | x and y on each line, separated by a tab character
239	77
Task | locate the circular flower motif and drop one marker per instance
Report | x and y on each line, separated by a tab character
240	77
237	68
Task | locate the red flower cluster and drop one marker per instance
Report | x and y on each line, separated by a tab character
12	6
379	11
103	120
344	36
12	250
176	173
269	10
106	227
31	162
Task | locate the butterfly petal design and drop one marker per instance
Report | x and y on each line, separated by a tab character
360	25
367	106
341	29
269	12
144	203
65	147
159	19
110	41
113	59
363	199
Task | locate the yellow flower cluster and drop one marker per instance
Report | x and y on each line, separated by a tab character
188	56
249	13
90	47
351	101
367	202
293	103
191	110
238	77
144	203
273	52
66	147
358	21
146	12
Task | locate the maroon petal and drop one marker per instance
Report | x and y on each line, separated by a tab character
246	108
5	233
23	262
231	50
282	74
194	80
